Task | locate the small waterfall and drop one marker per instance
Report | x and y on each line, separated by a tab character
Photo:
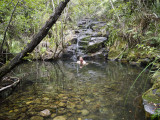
88	35
77	49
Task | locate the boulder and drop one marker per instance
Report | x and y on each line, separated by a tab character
95	44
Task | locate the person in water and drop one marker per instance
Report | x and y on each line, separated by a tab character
81	61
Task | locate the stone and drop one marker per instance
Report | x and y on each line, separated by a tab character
53	115
45	113
84	112
61	111
96	34
36	118
70	105
16	110
95	44
60	118
85	38
83	43
62	104
24	109
29	102
73	111
46	98
79	107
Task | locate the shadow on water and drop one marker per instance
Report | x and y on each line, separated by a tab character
95	92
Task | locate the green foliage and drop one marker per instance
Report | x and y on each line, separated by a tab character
156	115
137	23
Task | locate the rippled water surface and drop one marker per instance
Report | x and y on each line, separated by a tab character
95	92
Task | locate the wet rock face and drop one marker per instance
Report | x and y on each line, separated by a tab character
89	42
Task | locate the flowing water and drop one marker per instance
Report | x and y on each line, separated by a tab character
94	92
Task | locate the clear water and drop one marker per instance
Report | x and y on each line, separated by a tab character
95	92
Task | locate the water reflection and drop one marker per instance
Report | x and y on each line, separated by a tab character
95	92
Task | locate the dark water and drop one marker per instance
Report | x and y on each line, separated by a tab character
95	92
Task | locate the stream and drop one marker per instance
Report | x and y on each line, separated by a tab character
94	92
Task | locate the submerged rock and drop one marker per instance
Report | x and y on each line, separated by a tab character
60	118
61	111
70	105
62	104
84	112
36	118
45	113
53	115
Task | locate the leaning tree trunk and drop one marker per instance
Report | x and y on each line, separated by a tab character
35	40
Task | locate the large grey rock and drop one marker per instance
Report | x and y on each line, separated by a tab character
95	44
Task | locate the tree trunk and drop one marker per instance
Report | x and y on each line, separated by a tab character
35	40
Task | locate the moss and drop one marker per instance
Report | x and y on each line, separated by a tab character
93	48
116	50
151	96
87	38
156	77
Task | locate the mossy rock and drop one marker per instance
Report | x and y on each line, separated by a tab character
156	77
94	48
86	38
153	94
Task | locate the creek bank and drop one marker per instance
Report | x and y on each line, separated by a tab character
141	58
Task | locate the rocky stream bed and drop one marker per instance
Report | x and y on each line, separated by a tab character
63	91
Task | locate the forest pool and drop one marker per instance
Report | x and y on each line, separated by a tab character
95	92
